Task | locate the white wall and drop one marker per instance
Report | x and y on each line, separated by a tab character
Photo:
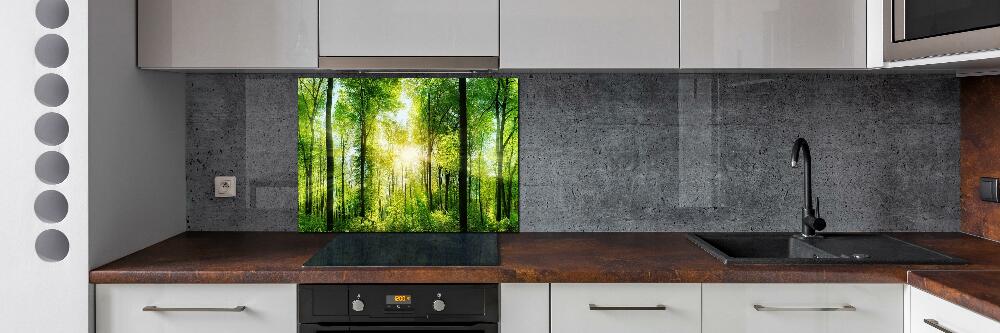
38	295
137	187
126	135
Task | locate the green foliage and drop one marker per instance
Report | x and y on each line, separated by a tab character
394	160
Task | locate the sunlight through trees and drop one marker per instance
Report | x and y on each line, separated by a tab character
386	154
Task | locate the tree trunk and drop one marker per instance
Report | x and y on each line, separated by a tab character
362	148
438	178
499	107
343	190
502	196
479	188
312	146
463	159
329	155
447	189
510	189
430	151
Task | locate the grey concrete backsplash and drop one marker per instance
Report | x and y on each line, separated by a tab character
640	152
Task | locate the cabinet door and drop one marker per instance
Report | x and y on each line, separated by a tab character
930	314
269	308
227	33
626	307
816	308
524	308
409	28
773	34
589	34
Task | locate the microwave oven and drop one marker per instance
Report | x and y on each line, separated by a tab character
915	29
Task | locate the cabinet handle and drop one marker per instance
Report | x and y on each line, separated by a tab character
848	307
660	307
154	308
935	324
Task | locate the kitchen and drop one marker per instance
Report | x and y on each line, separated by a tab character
580	166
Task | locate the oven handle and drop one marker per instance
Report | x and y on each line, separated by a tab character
481	327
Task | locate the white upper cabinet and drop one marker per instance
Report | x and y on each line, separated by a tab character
227	33
589	34
409	28
775	34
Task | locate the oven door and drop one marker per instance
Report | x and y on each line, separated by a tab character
474	328
926	28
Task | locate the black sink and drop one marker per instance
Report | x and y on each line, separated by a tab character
786	248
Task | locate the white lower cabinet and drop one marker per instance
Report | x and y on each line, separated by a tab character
930	314
625	307
524	307
196	308
815	308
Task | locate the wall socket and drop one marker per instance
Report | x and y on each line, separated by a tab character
988	189
225	187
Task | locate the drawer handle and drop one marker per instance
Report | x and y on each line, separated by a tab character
658	307
154	308
935	324
848	307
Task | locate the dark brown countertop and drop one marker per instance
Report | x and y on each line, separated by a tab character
277	257
978	291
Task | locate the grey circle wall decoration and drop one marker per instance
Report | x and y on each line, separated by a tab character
52	245
51	90
52	167
51	206
52	13
51	50
52	129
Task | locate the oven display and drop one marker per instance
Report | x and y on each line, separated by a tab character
398	299
398	302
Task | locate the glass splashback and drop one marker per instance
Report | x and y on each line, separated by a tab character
389	154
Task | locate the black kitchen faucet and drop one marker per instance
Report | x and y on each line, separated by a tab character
810	221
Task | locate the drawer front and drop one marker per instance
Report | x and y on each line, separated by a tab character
269	308
775	308
946	315
658	308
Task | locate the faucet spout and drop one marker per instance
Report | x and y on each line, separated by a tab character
810	222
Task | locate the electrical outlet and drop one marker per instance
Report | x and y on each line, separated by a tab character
988	189
225	187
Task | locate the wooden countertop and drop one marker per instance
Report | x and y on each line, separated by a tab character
277	257
978	291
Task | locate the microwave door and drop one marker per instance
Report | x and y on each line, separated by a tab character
916	19
916	29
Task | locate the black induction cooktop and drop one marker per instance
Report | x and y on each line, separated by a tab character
408	249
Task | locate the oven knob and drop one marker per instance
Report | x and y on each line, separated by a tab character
358	305
438	305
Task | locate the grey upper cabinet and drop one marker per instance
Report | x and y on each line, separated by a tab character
194	34
589	34
775	34
409	28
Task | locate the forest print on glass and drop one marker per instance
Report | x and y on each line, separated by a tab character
387	155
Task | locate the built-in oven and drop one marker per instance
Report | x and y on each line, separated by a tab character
928	28
386	308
